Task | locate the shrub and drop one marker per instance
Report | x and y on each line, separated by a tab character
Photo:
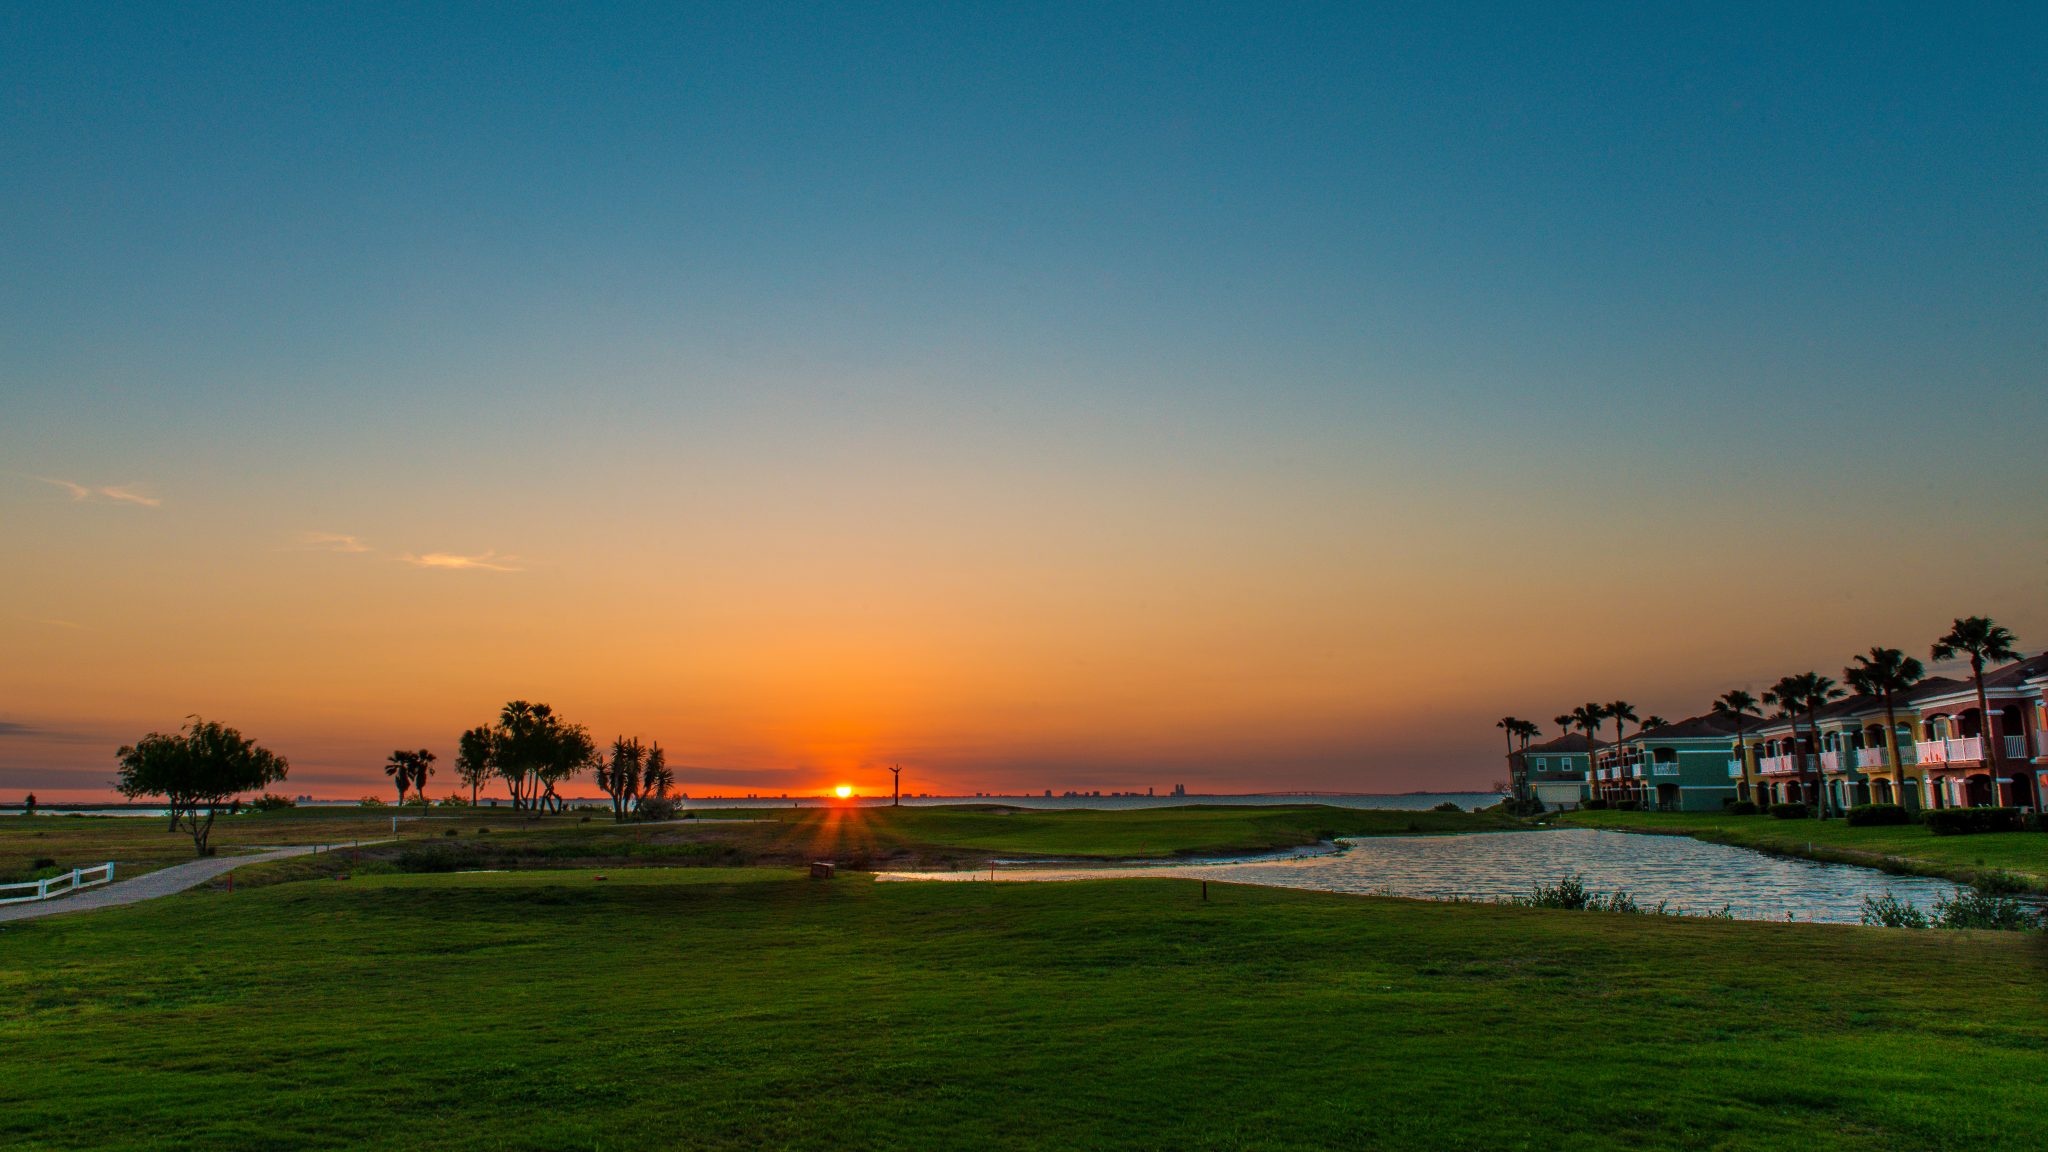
42	862
1594	805
426	860
1447	806
1569	892
1888	911
1969	821
453	801
1791	811
655	808
1877	815
1970	908
1742	808
270	803
371	802
1627	806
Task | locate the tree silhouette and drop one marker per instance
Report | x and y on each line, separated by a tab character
205	764
1738	705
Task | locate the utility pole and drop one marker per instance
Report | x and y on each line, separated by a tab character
896	797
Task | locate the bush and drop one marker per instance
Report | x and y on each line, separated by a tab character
42	862
427	860
1741	808
453	801
1970	908
1447	806
1627	806
1888	911
270	803
1877	815
655	808
1969	821
1791	811
371	802
1594	805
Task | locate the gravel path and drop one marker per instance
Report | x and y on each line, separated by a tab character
151	885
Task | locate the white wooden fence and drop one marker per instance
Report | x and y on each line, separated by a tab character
57	885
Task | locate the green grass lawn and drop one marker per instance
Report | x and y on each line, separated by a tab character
1909	847
731	1008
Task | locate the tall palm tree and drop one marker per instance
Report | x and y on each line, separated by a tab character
1885	673
1652	721
1982	639
1620	712
1805	695
1510	727
1739	706
1588	718
422	767
399	768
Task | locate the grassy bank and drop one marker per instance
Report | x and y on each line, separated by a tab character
1910	848
731	1008
460	838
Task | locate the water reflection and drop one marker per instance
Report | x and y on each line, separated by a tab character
1687	875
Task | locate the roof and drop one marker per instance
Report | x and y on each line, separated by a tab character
1569	742
1706	726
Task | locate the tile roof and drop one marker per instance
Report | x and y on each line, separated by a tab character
1570	742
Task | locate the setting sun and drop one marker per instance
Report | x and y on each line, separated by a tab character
843	791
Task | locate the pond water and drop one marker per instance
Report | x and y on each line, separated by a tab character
1687	875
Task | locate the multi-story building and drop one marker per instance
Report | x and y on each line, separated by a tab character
1553	771
1688	766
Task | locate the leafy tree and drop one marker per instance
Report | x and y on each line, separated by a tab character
28	805
205	764
534	750
1981	639
1738	705
474	758
1885	673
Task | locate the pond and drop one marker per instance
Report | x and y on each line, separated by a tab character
1687	875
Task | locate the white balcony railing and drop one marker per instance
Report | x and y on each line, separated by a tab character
1664	767
1931	751
1831	761
1735	769
1966	748
1777	765
2015	747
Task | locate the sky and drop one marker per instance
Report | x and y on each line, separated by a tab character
1247	397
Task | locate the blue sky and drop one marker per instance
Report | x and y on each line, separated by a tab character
1116	282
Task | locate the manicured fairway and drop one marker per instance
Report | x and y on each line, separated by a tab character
1909	847
729	1008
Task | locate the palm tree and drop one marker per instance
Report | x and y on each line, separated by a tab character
1652	721
399	768
1885	673
1805	695
422	767
1588	718
1981	639
1510	727
1739	706
1620	712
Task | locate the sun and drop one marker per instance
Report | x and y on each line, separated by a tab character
843	791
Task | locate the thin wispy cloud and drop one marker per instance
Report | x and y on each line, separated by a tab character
333	542
449	561
117	493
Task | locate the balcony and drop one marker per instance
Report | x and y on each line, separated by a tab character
2015	747
1870	758
1778	765
1831	761
1956	750
1735	769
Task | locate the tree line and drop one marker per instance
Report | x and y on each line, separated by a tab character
205	766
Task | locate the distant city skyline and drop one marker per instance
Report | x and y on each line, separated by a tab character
1082	397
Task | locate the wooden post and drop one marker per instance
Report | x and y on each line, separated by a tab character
1205	891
